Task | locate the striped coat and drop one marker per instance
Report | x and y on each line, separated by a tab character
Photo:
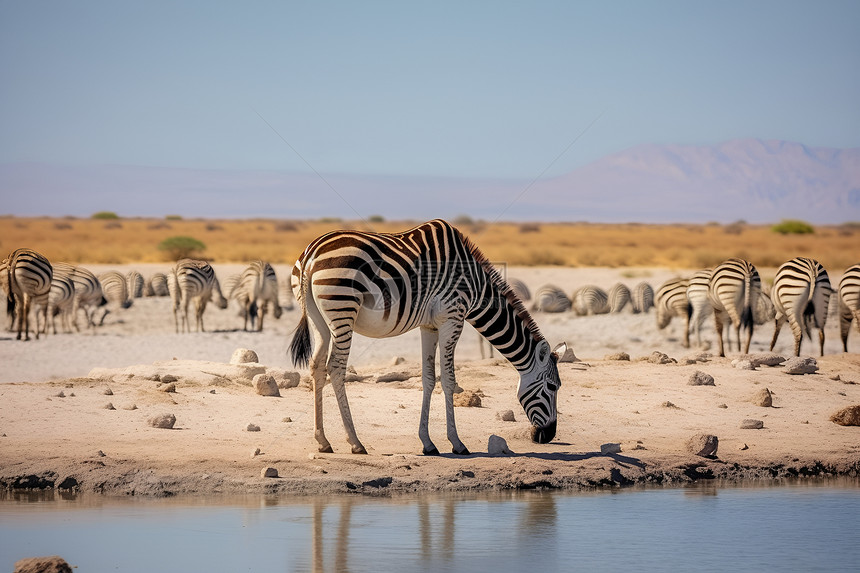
25	276
849	302
801	295
734	290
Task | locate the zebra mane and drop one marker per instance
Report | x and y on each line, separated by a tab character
504	288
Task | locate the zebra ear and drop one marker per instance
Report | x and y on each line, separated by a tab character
543	352
559	350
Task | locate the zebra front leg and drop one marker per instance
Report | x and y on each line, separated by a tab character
449	334
429	343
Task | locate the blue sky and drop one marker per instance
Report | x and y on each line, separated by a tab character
480	89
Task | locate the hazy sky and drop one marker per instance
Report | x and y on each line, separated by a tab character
475	89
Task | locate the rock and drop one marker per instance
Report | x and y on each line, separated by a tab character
700	357
60	394
796	365
52	564
253	428
168	378
100	454
617	356
165	421
763	398
289	380
265	385
107	392
255	453
750	424
168	388
243	356
568	355
723	406
849	416
130	407
467	399
743	364
269	472
660	358
765	359
506	416
704	445
394	377
610	448
109	406
497	445
287	420
743	447
668	404
699	378
154	378
397	361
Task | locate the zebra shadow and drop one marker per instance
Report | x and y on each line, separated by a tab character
625	461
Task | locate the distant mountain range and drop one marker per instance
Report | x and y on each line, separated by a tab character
757	181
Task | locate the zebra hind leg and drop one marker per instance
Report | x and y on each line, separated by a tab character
337	374
429	344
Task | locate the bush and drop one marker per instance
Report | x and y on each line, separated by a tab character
792	227
173	217
105	215
180	247
376	219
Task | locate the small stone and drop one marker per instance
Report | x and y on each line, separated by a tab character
568	355
109	406
287	420
255	453
763	398
668	404
497	445
743	447
849	416
506	416
169	388
253	428
243	356
107	392
610	448
798	365
168	378
618	356
467	399
704	445
100	454
836	378
155	377
265	385
397	361
660	358
269	472
743	364
699	378
289	380
212	391
60	394
130	407
164	421
750	424
765	359
723	406
393	377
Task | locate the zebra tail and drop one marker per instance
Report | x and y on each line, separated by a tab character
301	346
747	310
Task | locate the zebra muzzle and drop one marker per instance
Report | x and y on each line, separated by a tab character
544	434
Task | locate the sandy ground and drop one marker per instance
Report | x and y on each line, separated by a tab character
55	429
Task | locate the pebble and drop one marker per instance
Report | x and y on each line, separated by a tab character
763	398
243	356
164	421
265	385
610	448
798	365
750	424
849	416
699	378
169	388
255	453
704	445
618	356
109	406
107	392
506	416
253	428
269	472
497	445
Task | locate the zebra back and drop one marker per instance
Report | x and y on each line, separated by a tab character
671	300
849	302
135	284
619	296
642	297
801	292
520	289
590	299
550	298
115	288
27	273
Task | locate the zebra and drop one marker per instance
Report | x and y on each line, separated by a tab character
115	288
849	302
520	289
255	289
135	284
550	298
590	299
671	300
61	300
430	277
193	280
619	296
734	290
700	304
642	297
25	276
801	294
285	295
156	285
88	292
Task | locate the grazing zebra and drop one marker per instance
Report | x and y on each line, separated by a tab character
61	300
590	299
550	298
255	289
430	277
734	290
135	284
671	300
25	276
193	280
642	298
156	285
849	302
285	294
115	288
520	289
619	296
88	292
801	294
700	304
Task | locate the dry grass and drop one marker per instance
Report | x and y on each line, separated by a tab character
580	244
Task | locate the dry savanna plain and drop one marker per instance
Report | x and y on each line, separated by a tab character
77	409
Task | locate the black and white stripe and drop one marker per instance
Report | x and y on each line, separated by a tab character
700	304
550	298
430	277
115	289
255	290
588	300
60	301
849	302
135	284
520	289
642	297
801	294
193	280
619	297
734	290
671	300
156	285
88	292
25	275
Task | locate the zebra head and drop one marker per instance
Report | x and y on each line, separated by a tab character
537	392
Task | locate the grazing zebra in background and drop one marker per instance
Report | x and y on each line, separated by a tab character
285	294
590	299
734	290
88	292
700	304
430	277
61	300
193	280
619	296
135	284
849	302
156	285
642	298
115	289
550	298
25	276
520	289
801	295
256	288
671	300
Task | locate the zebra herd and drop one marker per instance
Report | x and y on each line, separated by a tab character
31	282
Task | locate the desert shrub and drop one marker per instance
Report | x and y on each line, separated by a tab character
463	221
286	226
376	219
530	228
159	225
180	247
62	226
214	227
105	215
173	217
792	227
113	225
733	229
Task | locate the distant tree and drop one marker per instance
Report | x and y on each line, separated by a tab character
181	247
376	219
793	227
173	217
105	215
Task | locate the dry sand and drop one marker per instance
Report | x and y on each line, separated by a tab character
73	441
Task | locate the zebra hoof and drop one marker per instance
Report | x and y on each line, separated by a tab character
359	449
464	452
326	449
431	452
